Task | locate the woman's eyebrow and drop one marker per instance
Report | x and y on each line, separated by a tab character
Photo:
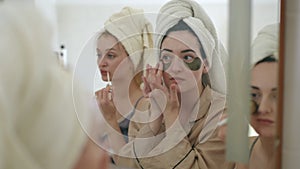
254	87
113	49
168	50
187	50
98	50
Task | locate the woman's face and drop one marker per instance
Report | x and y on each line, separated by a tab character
264	93
182	61
110	54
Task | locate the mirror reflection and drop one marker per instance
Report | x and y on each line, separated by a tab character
154	74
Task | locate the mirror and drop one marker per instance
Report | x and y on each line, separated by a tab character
78	21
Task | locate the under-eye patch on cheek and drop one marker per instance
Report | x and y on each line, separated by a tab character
195	64
166	66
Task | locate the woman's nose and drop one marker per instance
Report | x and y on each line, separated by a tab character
102	62
177	65
265	106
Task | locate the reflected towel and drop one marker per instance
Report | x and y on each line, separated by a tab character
134	31
266	43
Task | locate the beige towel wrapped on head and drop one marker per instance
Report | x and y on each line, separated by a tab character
193	15
134	31
39	128
265	44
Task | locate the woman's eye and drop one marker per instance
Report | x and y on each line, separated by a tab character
255	96
110	56
166	59
99	56
188	59
274	95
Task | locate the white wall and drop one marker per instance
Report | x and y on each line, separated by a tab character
79	20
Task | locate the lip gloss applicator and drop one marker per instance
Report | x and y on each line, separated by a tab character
109	82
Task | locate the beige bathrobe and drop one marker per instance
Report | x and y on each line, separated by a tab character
199	149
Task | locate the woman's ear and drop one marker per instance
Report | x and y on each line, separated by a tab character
205	65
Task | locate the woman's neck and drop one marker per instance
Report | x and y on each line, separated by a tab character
268	145
189	100
263	156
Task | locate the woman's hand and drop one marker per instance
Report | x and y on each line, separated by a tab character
157	105
172	108
164	101
165	104
153	90
106	105
153	79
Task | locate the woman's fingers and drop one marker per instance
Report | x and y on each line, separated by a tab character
160	86
147	70
97	94
173	96
105	95
155	77
158	100
159	70
146	87
108	92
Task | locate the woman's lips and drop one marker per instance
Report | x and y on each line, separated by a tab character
265	121
103	73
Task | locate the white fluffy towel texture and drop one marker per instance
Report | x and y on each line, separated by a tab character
265	44
134	31
39	128
193	15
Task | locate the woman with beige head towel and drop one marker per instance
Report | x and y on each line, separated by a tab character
186	91
39	128
123	48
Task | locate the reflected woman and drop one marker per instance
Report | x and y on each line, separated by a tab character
122	49
264	88
264	92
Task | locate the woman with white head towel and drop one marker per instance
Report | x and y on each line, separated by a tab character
190	81
39	128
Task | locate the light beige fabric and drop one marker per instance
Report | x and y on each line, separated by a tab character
266	43
39	128
163	152
193	15
134	31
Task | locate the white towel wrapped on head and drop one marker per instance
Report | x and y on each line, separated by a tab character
39	128
265	44
134	32
194	16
